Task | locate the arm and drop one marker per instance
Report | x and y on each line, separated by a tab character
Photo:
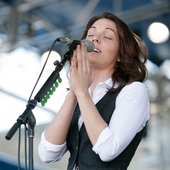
56	132
130	116
52	145
81	79
91	117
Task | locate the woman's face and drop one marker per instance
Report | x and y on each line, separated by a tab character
103	33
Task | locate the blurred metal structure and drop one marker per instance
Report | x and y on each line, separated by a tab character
39	22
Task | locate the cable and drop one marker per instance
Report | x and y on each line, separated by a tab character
42	70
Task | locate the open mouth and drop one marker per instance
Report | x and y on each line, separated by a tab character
97	50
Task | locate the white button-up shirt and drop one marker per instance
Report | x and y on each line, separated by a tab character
129	117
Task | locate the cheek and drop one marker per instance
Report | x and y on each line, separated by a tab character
112	53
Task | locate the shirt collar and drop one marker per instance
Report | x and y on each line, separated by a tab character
108	83
103	85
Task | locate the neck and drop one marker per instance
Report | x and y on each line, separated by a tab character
99	76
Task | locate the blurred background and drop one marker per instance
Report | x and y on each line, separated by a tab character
28	28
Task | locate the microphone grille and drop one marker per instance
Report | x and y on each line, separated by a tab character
89	45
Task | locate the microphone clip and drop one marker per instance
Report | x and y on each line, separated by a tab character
74	44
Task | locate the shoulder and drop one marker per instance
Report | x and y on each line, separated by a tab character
134	90
136	85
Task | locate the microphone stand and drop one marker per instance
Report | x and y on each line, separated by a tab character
27	117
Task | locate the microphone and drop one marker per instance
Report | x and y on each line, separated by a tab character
73	43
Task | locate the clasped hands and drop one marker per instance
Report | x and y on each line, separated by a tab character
81	73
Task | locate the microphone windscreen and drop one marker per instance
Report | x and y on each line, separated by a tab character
89	45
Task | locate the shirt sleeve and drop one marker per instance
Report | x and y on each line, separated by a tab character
129	117
49	152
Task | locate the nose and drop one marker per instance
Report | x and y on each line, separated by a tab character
96	39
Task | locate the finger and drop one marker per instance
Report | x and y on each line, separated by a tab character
74	60
85	59
79	58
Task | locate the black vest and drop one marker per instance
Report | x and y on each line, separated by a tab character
80	147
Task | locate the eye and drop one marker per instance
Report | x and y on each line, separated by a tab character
108	37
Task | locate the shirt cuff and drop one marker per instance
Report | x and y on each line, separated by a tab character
50	146
104	136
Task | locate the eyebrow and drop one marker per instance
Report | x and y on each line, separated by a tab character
110	29
107	28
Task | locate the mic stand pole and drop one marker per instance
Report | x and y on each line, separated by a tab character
31	124
27	118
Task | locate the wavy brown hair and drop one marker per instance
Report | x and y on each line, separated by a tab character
132	53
